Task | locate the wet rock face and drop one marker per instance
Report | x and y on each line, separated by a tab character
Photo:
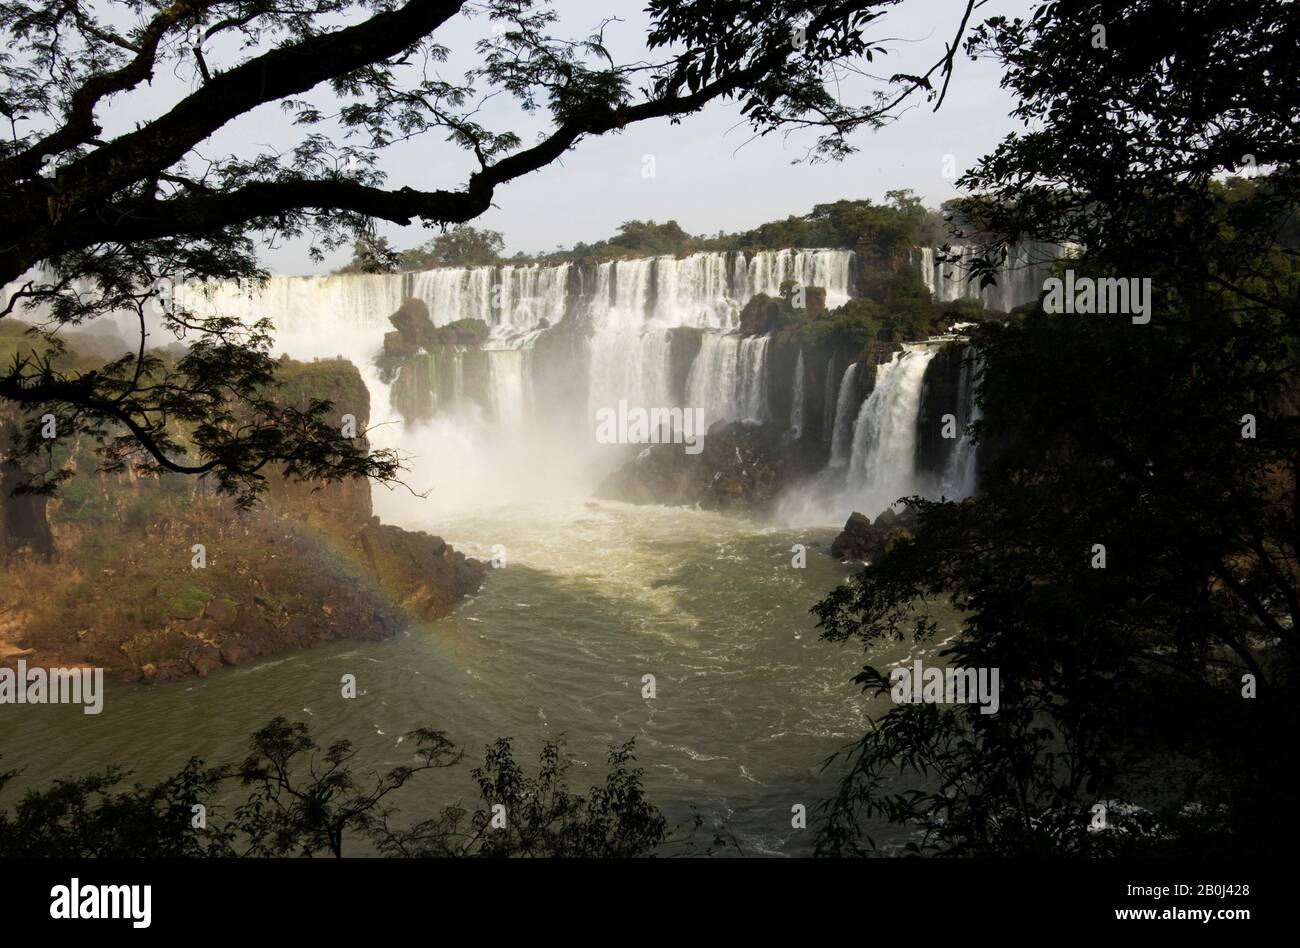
414	329
857	541
413	323
427	576
762	314
398	347
742	468
658	474
426	363
865	541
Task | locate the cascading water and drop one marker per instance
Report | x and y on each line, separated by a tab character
1019	278
729	378
508	382
828	401
314	317
509	299
961	474
631	366
882	465
842	426
594	592
765	272
627	312
796	401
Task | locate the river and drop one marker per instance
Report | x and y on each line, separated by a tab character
593	596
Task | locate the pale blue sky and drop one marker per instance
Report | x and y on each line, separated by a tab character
704	179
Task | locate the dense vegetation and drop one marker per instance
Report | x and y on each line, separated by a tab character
462	246
1145	696
883	233
299	799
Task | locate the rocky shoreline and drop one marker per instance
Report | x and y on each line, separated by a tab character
105	574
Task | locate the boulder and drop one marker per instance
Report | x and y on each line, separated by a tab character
742	468
422	572
761	314
204	659
857	541
413	322
863	540
397	346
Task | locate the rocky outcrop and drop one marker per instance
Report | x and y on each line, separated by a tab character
427	576
743	468
857	541
863	540
763	314
414	330
430	366
797	304
310	564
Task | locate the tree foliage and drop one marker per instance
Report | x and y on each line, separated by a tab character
1127	687
302	800
462	246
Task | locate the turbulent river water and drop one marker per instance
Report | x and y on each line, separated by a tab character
749	701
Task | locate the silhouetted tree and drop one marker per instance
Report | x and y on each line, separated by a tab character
1125	687
305	801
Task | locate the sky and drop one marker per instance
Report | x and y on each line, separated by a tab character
709	176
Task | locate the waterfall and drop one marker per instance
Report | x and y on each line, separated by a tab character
494	419
928	274
513	301
882	466
728	380
841	427
632	366
828	402
620	299
508	384
694	291
765	272
875	447
313	316
753	379
458	376
1019	277
708	290
704	290
960	475
796	406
